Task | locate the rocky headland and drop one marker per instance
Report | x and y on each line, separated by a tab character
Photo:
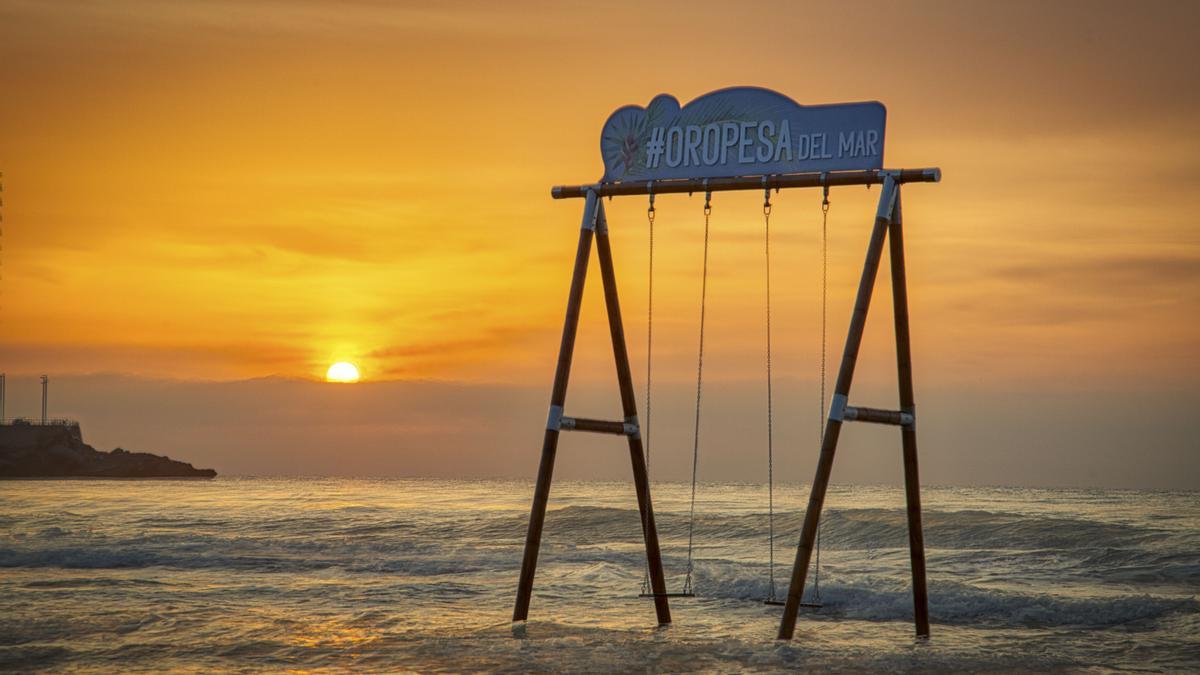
30	450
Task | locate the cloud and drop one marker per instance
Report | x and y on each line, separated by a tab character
1116	275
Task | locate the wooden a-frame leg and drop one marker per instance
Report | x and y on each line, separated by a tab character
541	494
833	426
908	433
641	478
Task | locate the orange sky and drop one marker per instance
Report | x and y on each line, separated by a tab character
228	190
225	190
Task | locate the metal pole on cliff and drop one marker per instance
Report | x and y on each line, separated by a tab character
1	398
45	387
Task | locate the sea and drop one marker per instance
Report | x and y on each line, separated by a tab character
258	574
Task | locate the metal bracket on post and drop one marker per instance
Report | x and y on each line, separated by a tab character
601	221
887	201
837	408
632	428
554	420
591	213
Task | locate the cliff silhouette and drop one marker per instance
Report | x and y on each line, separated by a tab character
57	451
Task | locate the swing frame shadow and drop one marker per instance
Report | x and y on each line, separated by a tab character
594	228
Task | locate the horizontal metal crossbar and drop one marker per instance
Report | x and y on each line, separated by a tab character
772	181
878	416
598	426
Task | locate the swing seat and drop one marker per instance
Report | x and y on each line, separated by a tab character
781	603
687	594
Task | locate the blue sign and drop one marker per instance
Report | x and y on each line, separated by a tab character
741	131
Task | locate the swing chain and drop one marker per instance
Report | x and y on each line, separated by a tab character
824	323
649	350
687	582
824	301
650	213
771	598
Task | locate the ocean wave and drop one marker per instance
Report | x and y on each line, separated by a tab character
983	540
876	598
341	575
859	528
94	557
92	582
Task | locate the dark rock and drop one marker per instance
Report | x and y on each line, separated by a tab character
58	451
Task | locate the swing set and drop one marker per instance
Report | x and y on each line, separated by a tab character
742	138
688	592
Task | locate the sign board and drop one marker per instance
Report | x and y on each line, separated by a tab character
741	131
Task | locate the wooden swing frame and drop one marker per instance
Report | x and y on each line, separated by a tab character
887	226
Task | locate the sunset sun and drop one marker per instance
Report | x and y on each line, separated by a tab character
342	372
